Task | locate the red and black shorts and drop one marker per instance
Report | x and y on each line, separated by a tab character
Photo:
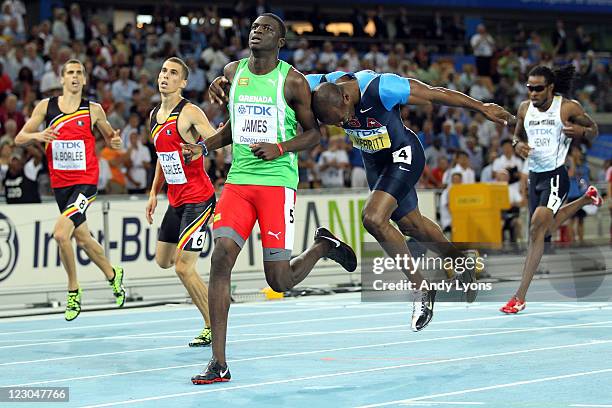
185	225
73	201
272	207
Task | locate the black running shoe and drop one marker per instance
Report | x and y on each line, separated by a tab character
339	252
468	277
215	372
422	309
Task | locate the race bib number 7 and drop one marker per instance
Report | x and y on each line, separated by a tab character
68	155
172	167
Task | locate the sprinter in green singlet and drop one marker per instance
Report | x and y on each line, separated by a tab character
267	100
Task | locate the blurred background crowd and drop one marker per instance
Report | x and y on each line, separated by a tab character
486	59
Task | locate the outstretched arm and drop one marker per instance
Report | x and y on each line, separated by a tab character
448	97
98	116
29	131
520	136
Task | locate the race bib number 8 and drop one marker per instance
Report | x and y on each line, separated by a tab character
172	167
81	203
254	124
403	155
68	154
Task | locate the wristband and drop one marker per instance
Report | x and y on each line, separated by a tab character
280	148
204	148
515	141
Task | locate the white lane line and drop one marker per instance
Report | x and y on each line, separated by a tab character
430	403
491	387
590	405
138	335
368	346
370	370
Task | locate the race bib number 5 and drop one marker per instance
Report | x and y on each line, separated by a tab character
172	167
68	154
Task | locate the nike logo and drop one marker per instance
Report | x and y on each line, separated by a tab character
274	253
223	372
335	241
365	110
275	235
403	168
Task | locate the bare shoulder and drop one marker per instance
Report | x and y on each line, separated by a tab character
571	106
192	110
295	78
95	107
522	110
230	70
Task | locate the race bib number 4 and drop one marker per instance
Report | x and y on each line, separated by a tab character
403	155
68	154
254	124
172	167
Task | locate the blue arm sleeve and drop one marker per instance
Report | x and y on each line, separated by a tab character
314	80
393	90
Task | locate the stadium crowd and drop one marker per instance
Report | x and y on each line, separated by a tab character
122	64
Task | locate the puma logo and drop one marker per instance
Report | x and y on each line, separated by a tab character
275	235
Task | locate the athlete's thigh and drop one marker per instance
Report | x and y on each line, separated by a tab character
275	208
235	214
193	227
73	201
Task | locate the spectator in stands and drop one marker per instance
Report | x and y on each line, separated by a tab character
328	60
8	111
483	46
559	39
352	60
511	217
376	59
461	165
474	152
482	90
117	160
6	85
333	162
20	181
60	28
304	58
434	152
445	215
214	59
437	173
358	174
450	141
76	24
508	161
582	41
139	161
133	125
105	171
426	135
580	175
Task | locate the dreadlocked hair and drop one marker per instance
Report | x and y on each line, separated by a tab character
562	78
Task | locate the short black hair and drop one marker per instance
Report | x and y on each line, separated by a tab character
504	141
324	97
281	23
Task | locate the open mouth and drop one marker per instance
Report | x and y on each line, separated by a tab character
163	83
255	40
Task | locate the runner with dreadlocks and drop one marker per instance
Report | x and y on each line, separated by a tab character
546	125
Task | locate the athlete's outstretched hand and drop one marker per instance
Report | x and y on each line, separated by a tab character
265	151
115	141
47	135
150	209
497	114
574	131
522	149
218	90
191	151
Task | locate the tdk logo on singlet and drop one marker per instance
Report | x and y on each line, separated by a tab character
256	110
69	144
255	99
370	140
169	156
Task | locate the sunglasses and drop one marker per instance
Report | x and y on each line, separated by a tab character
536	88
